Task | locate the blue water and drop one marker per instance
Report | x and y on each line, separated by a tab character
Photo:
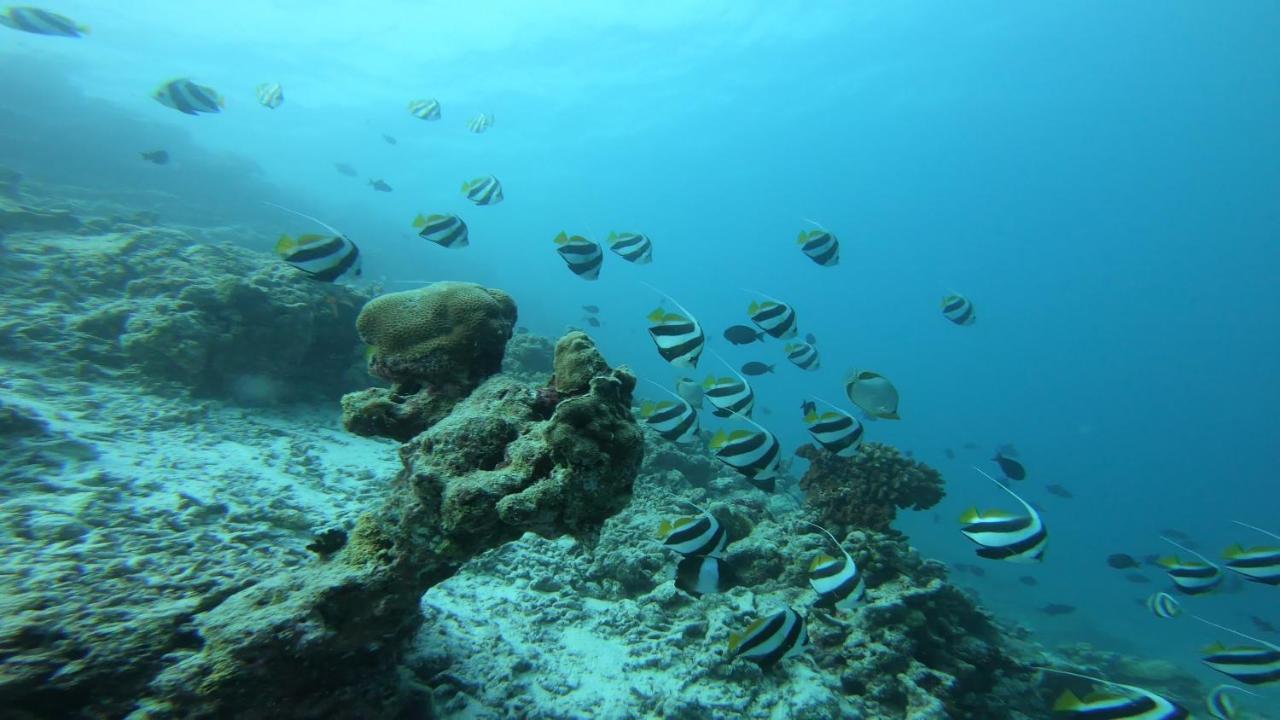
1100	179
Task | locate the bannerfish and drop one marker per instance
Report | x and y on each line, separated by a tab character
1192	577
1058	609
1249	664
1256	564
742	334
1011	468
691	536
42	22
1220	704
326	258
701	575
691	391
479	123
674	421
632	247
483	191
270	95
755	454
444	230
379	186
345	169
428	109
838	432
778	319
1056	489
729	396
583	256
803	355
768	640
187	97
1121	561
593	309
873	393
820	246
1134	704
958	310
157	157
388	139
1164	606
1028	581
755	368
1002	535
679	338
836	580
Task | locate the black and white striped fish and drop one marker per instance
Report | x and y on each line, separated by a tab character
755	454
676	421
583	256
821	246
270	95
802	355
837	431
428	109
771	639
1163	605
480	123
1192	577
1220	704
1257	564
778	319
1131	703
679	338
326	258
444	230
188	97
1003	535
694	535
729	396
632	247
701	575
41	22
483	191
837	581
1249	664
958	310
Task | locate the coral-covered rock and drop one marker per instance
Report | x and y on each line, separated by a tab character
577	361
383	412
446	337
867	490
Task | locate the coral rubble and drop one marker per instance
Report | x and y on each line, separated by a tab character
866	491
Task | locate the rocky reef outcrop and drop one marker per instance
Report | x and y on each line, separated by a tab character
867	490
322	640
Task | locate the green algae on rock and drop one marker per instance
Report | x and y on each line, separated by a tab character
866	491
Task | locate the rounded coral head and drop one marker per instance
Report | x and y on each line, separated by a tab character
447	336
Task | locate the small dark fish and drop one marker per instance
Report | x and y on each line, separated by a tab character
754	368
522	330
766	411
1121	561
345	169
158	157
1028	581
810	338
1058	609
971	569
593	322
1137	578
742	334
390	140
593	309
379	186
951	454
1263	625
1056	489
1011	468
1175	534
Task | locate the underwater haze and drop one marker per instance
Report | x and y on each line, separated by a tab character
1099	180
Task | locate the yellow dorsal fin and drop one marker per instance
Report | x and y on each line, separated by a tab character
285	245
719	439
804	238
1067	702
811	417
820	560
664	528
656	316
420	221
735	639
753	308
740	434
647	409
970	516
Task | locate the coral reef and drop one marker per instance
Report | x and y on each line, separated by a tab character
529	357
867	490
576	363
446	337
321	640
160	308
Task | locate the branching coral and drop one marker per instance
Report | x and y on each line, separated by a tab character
865	491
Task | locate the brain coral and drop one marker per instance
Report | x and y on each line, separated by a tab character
447	336
866	490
